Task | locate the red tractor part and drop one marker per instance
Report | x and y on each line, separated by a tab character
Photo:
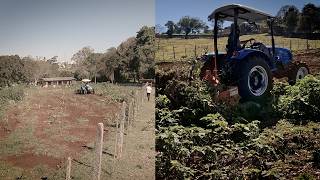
229	96
209	76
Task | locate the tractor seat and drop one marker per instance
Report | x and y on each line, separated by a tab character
261	47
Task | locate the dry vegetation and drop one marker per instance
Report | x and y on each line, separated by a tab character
41	127
185	48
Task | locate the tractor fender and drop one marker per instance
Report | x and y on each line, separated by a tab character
245	53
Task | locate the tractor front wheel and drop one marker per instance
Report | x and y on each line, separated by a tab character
255	78
297	72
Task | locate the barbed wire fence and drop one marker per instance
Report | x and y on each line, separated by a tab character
124	121
184	51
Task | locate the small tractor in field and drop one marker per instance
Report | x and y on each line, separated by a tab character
249	66
85	88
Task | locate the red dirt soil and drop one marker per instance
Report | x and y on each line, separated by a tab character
311	58
29	160
6	128
61	119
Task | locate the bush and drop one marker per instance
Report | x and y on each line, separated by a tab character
162	101
198	138
13	93
301	101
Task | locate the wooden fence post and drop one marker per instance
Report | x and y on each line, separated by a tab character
174	53
132	112
163	55
123	118
136	100
142	90
98	156
68	173
134	104
115	155
195	50
130	107
307	44
185	51
290	45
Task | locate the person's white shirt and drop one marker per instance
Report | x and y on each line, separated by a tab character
149	89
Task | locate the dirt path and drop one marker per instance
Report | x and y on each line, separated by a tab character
138	161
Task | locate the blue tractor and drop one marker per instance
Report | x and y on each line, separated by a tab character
248	65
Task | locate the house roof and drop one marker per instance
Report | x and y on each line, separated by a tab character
245	13
58	79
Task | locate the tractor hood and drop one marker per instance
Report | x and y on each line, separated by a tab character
209	55
245	13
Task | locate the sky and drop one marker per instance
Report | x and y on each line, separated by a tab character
175	9
60	28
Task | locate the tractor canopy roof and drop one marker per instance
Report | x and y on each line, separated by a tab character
245	13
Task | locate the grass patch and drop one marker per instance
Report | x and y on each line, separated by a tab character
115	92
10	95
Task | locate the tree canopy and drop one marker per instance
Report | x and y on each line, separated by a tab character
132	59
190	24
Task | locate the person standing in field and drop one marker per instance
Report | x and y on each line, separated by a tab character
149	90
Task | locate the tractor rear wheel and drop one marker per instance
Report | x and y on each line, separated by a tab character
297	72
255	78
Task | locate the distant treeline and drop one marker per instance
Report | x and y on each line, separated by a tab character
131	60
289	21
312	36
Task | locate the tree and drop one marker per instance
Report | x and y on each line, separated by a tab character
145	51
177	29
219	24
82	54
129	62
93	65
291	19
159	29
170	28
36	68
111	61
310	18
247	28
190	24
79	58
12	70
53	60
206	29
32	69
283	11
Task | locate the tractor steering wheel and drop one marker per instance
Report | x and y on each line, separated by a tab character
245	42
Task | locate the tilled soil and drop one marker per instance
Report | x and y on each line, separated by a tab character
311	58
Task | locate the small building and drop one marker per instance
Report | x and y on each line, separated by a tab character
56	81
152	81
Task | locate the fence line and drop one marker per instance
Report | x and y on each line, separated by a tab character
127	113
184	51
